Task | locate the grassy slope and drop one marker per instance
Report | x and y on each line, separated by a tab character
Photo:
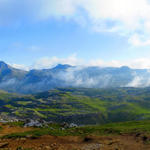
134	127
83	106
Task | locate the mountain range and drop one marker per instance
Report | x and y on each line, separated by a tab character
33	81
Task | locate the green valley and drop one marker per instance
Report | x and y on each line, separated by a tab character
79	105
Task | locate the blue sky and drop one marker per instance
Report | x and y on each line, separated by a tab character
43	33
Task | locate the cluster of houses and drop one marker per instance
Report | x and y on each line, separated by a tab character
34	123
41	123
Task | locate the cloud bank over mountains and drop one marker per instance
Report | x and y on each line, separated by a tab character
73	60
129	18
62	76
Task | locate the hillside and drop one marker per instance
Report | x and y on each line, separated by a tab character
81	106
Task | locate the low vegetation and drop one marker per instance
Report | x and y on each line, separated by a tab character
98	130
79	105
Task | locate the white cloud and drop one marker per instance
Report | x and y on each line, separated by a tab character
48	62
124	17
140	63
136	82
18	66
139	40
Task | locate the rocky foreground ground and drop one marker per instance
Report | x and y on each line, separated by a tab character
124	142
132	141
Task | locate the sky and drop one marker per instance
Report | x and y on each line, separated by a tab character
43	33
